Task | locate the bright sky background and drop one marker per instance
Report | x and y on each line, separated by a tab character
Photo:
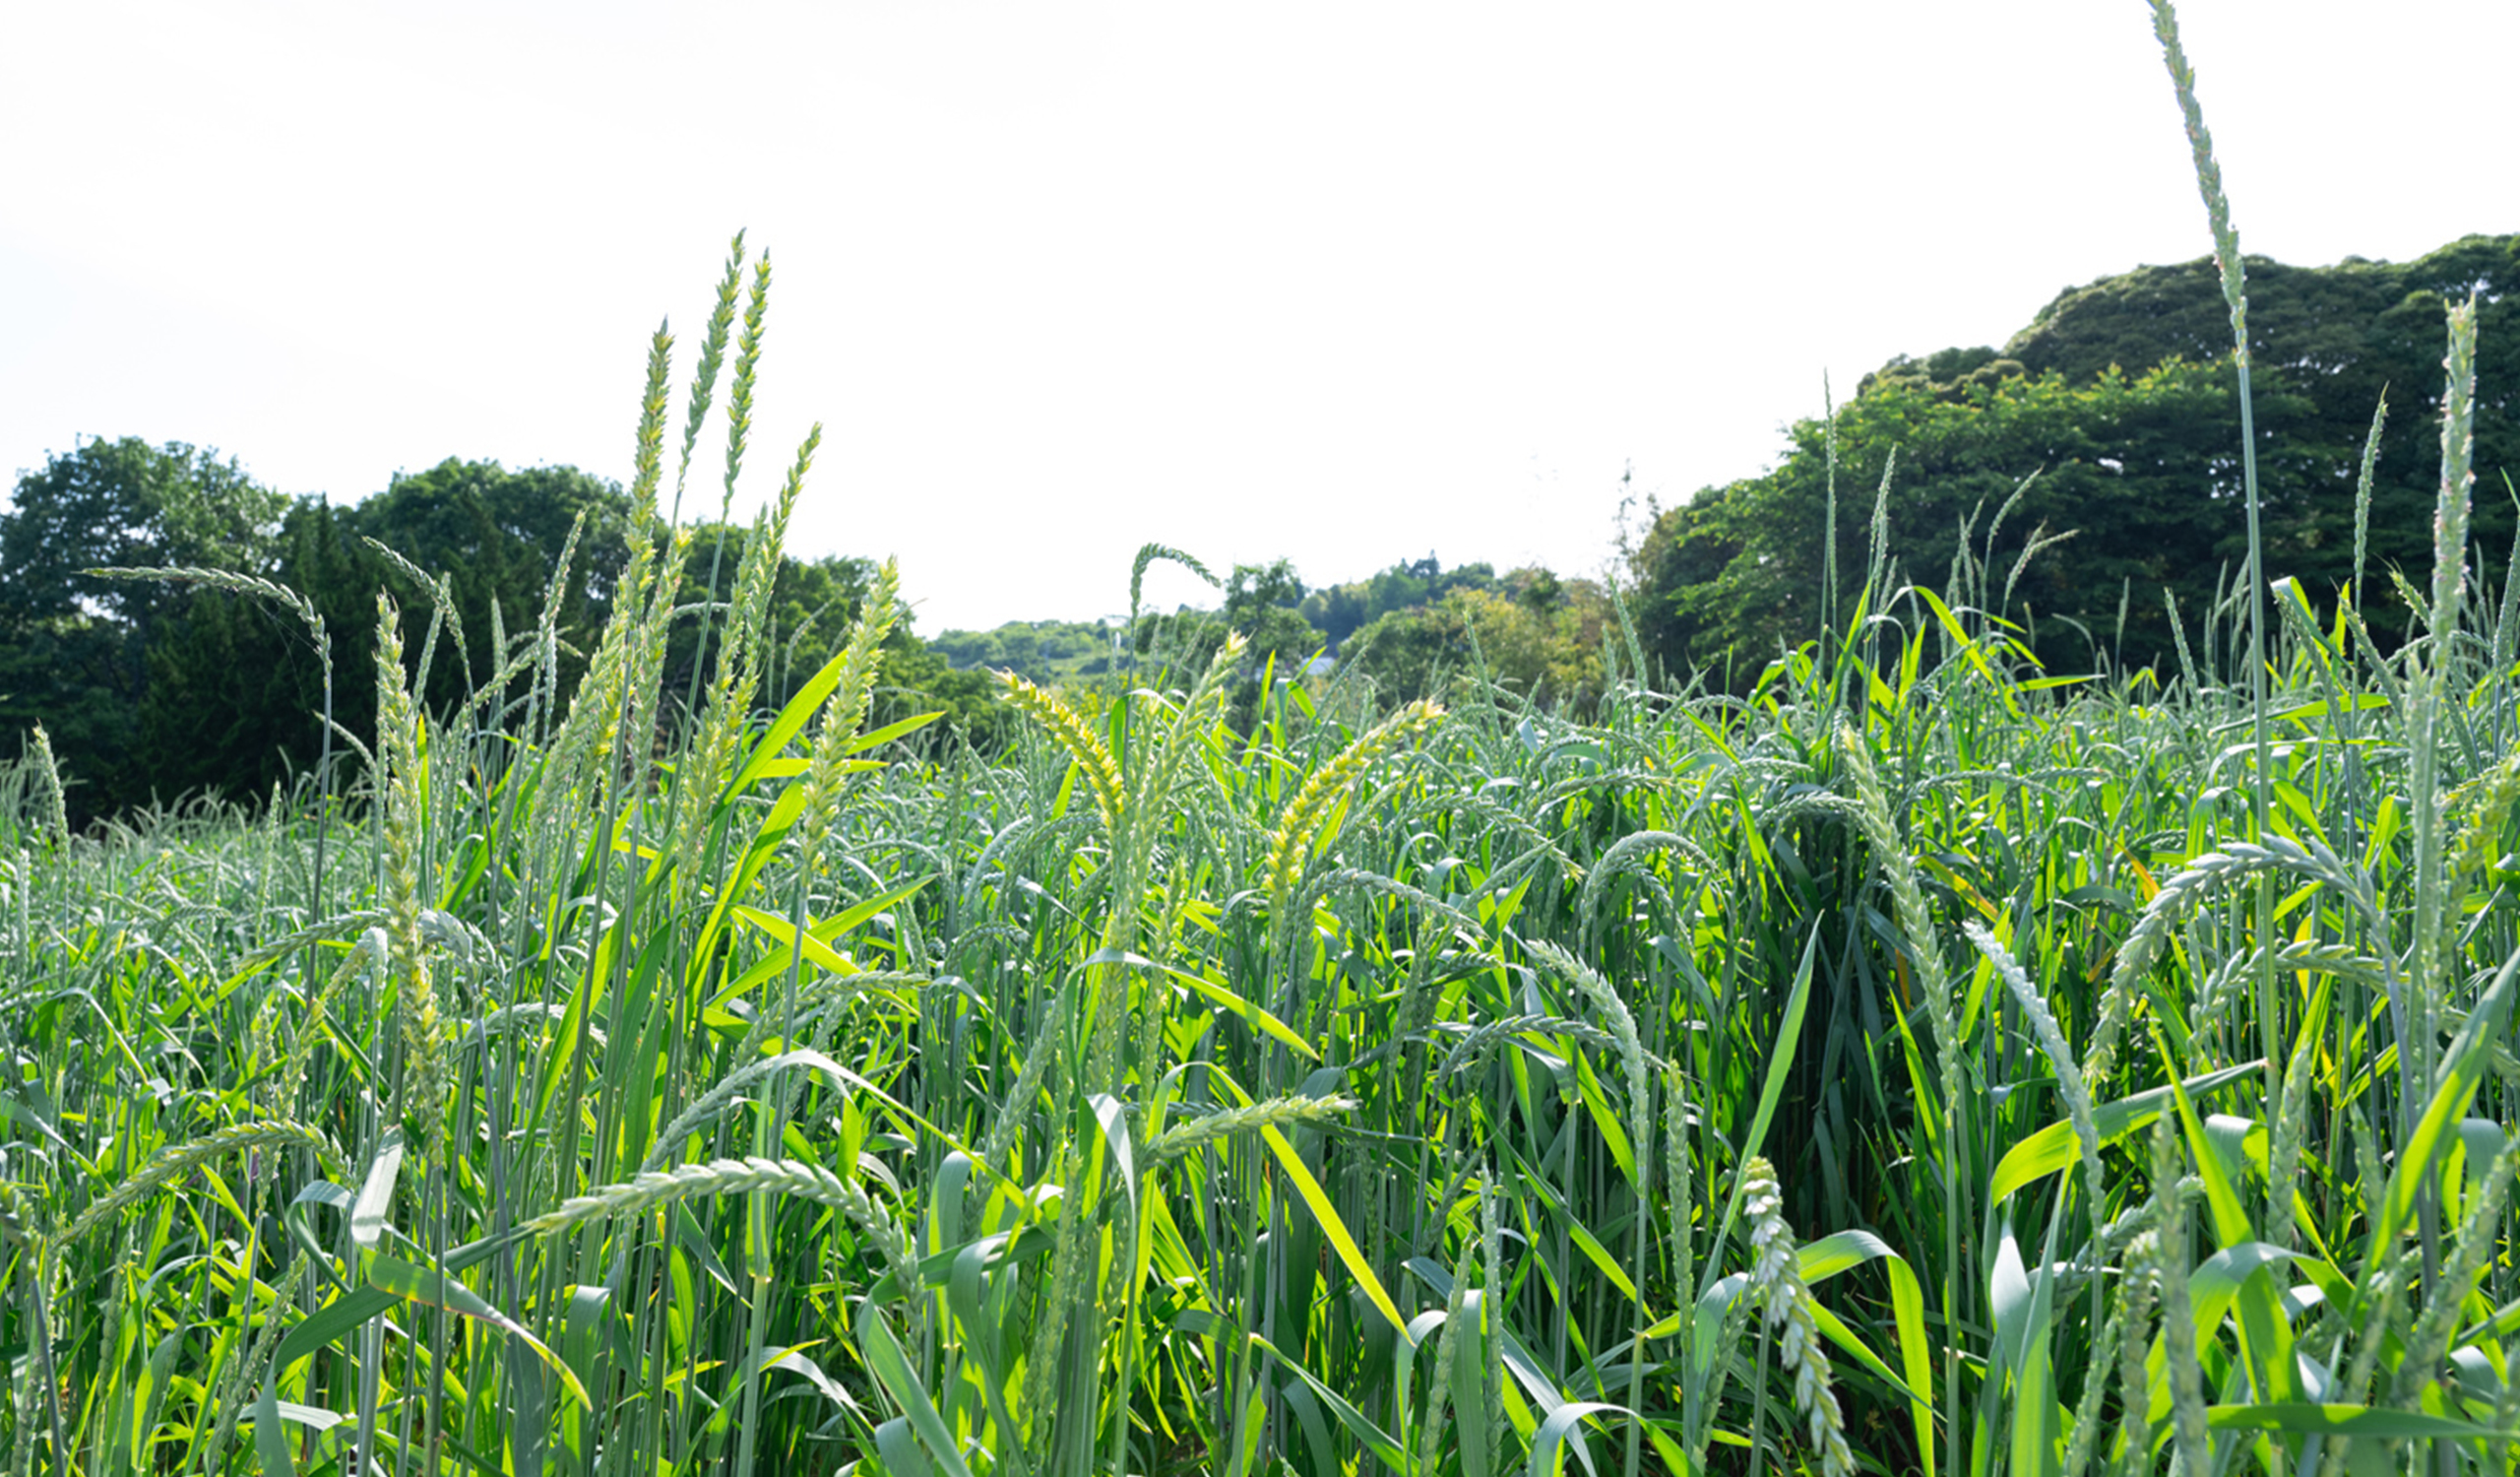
1343	282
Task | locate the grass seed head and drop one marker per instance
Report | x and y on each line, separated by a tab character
1775	1281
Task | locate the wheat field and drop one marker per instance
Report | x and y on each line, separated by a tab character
1928	1063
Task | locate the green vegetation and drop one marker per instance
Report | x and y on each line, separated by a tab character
2088	466
154	690
1039	651
1919	1062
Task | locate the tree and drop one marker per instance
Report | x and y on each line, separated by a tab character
496	535
1265	604
2137	478
1339	610
232	700
2335	337
73	647
1535	633
2119	398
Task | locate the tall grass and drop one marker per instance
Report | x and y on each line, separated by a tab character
1930	1064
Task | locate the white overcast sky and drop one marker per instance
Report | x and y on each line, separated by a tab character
1342	283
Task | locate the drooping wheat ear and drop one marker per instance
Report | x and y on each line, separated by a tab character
1623	855
173	1164
1300	828
1193	1134
1631	1048
669	1142
2479	1231
1476	1044
2186	1380
2061	1060
821	993
1439	1381
2284	1156
1356	878
729	1177
1775	1280
221	579
1148	553
401	747
1908	899
337	927
2134	1345
1069	729
2181	895
54	819
430	585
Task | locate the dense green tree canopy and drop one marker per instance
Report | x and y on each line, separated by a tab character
496	535
2333	338
1039	651
1339	610
126	502
2118	405
1534	633
73	647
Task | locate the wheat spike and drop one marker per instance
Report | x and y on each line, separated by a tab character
1298	829
1775	1280
175	1163
1069	729
1193	1134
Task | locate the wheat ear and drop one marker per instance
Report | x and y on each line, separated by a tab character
1073	734
728	1177
1193	1134
1775	1280
181	1160
1299	826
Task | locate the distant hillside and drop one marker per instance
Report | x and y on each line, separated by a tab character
2118	403
1043	651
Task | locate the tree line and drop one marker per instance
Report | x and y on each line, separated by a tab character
2082	482
151	691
